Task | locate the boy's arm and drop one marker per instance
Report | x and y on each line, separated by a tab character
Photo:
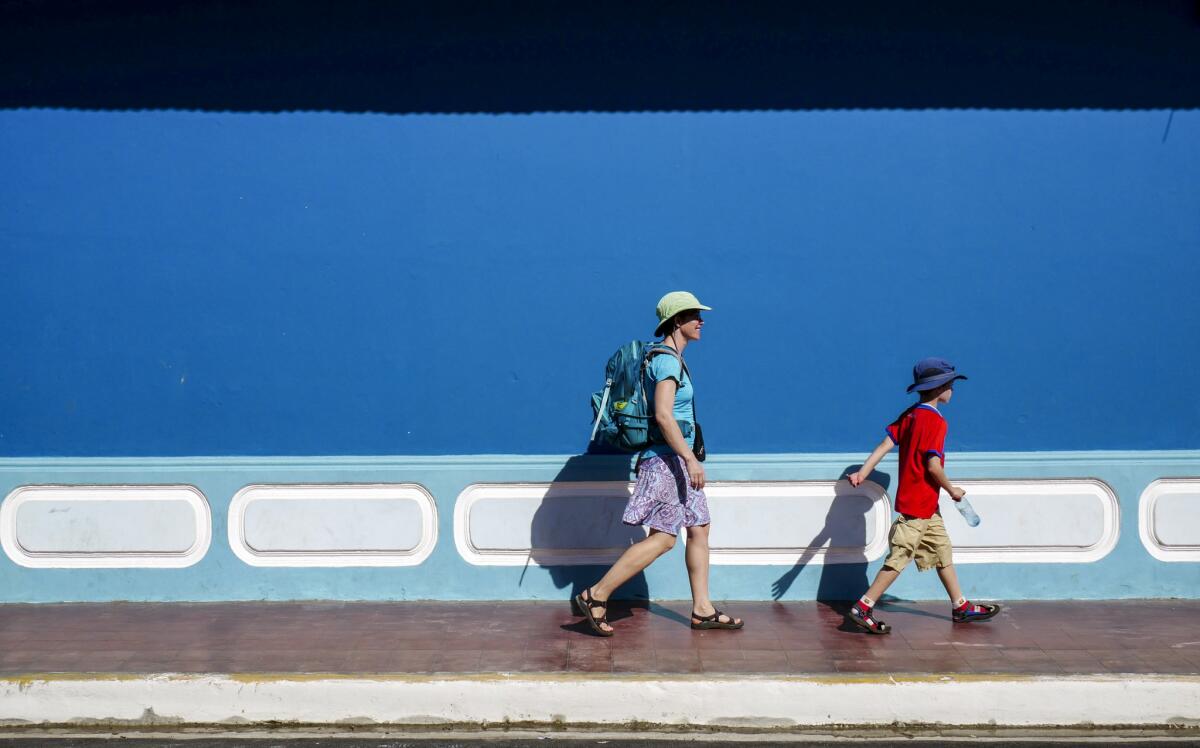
865	471
935	468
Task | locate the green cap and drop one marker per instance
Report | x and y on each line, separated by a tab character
674	303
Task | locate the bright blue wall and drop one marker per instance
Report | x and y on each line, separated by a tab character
184	283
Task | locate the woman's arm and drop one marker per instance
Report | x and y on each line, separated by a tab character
864	472
664	416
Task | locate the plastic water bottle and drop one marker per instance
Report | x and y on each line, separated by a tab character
967	511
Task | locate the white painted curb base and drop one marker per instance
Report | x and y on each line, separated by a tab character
755	702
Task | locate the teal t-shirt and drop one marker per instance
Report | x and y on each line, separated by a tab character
665	366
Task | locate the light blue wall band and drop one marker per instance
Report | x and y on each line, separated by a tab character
1127	571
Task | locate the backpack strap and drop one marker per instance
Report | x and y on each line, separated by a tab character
652	351
657	348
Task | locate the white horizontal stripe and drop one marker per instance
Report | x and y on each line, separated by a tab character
491	699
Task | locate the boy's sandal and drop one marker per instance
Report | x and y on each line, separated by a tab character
989	611
867	621
714	621
585	605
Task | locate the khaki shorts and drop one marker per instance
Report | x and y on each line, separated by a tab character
922	540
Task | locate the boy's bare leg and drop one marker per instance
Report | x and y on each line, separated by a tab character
949	579
883	580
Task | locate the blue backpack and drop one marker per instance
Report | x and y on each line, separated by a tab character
623	421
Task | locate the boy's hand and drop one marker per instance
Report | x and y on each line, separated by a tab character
856	479
956	493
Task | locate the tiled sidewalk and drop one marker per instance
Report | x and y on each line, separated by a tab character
1033	638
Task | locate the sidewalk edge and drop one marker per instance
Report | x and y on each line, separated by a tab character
629	702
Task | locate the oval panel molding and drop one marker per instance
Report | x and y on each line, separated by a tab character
333	525
808	522
568	523
576	523
1169	519
98	527
1071	520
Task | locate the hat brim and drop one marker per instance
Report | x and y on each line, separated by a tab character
658	331
934	382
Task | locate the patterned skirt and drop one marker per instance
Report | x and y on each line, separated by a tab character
663	499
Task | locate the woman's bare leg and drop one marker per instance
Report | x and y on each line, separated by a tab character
635	558
697	559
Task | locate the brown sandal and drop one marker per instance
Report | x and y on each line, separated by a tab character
585	606
714	621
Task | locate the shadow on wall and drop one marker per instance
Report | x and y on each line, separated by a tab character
845	530
566	521
541	55
569	521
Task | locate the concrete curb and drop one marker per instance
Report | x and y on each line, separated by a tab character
751	702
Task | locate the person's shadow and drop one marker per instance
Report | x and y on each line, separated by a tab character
571	527
845	531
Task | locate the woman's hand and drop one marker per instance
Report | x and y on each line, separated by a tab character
856	479
695	473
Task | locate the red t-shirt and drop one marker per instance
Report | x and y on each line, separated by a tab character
920	431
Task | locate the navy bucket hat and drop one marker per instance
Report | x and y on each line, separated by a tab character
930	373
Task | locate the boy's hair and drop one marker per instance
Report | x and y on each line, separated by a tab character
924	396
927	395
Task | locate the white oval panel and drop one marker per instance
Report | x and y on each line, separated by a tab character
1169	519
545	524
79	527
814	522
1034	521
576	523
333	525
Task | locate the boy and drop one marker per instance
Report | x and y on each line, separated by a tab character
918	533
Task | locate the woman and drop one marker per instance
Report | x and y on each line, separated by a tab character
670	479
